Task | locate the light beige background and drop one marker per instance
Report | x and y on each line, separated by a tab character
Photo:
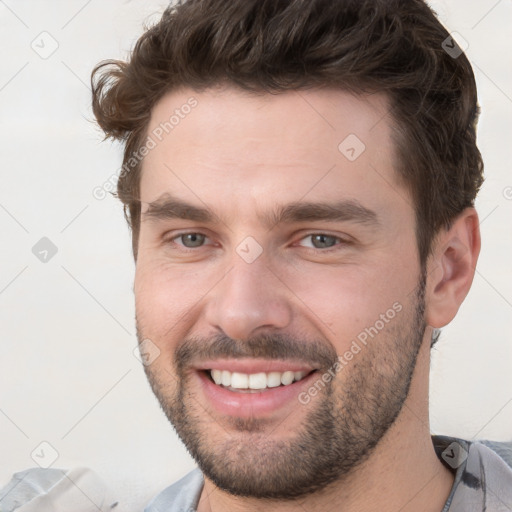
67	370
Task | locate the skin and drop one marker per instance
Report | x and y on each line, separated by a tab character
283	149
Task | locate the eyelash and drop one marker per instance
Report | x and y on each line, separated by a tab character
342	242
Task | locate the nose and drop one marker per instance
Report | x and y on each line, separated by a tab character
250	297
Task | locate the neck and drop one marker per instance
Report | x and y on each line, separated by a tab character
403	472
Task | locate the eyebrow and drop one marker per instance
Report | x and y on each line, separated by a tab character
169	207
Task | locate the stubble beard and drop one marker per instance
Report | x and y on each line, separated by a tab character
340	429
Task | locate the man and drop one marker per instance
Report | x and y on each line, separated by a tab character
300	177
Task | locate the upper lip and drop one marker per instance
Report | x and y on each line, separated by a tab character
252	365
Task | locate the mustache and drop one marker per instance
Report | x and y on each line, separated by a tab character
319	354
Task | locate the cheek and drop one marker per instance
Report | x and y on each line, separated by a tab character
158	310
166	296
157	297
345	301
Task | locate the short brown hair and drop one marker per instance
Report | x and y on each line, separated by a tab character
392	46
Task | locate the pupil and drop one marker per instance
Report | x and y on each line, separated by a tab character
194	238
322	240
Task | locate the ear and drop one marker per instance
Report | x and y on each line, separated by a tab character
451	268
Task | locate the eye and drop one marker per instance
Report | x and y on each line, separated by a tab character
190	240
323	240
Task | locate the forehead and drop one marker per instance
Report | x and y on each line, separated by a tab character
285	120
226	143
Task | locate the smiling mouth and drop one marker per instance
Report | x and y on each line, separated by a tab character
254	382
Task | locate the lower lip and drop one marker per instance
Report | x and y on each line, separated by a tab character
251	404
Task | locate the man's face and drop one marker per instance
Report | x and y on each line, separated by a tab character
299	250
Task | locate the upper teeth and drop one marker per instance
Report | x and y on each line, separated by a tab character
255	380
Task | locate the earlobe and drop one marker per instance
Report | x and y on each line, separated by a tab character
451	268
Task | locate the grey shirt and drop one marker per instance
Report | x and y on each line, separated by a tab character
482	469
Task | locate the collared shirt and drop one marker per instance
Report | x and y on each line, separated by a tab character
482	469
